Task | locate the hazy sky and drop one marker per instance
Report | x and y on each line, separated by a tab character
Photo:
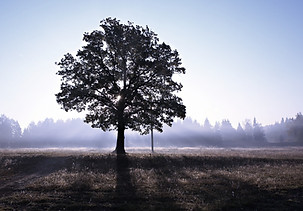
244	59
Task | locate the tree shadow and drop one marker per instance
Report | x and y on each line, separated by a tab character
125	190
190	182
28	169
236	194
140	182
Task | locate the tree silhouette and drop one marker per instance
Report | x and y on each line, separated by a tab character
258	133
241	135
207	126
248	128
295	128
123	78
227	131
10	131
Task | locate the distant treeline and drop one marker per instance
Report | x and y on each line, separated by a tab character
187	133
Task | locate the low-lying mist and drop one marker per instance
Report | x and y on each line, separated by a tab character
186	133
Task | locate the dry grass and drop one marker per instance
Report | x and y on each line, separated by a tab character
209	179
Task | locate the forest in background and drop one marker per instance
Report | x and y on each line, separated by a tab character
186	133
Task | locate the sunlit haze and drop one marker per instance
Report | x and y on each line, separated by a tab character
243	59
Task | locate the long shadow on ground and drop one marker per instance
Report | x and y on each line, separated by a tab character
125	189
141	182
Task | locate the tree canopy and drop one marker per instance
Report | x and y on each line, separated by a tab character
122	78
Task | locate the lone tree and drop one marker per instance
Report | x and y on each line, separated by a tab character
123	78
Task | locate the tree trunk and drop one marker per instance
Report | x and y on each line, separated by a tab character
120	140
121	125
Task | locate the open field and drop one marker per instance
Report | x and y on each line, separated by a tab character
187	179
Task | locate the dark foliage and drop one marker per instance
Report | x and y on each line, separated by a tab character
123	79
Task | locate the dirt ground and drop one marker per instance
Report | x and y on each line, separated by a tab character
179	179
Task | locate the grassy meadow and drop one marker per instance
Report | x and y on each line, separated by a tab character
190	179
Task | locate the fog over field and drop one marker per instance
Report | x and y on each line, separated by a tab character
74	133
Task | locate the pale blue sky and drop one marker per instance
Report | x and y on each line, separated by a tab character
244	59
